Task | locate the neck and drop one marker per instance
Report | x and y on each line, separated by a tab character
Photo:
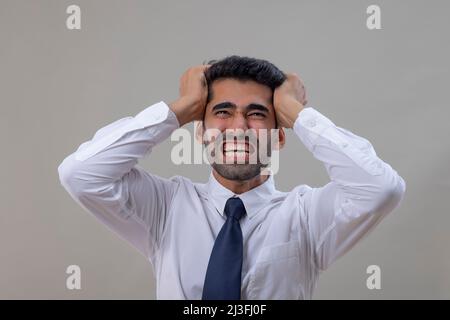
239	187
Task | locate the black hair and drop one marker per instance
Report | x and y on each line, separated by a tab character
243	68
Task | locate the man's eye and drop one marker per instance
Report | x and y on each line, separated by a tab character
257	115
222	112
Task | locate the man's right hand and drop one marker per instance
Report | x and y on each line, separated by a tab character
191	104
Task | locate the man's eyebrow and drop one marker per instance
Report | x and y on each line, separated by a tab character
257	106
224	105
251	106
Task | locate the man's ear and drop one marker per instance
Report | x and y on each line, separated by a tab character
198	131
281	139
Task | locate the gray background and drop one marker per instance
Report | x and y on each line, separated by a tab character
59	86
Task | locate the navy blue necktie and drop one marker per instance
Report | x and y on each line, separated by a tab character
223	276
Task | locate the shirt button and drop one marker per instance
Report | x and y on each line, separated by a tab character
311	123
344	144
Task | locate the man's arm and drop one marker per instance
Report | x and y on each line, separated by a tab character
103	177
363	188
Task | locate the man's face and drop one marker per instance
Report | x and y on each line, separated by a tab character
244	115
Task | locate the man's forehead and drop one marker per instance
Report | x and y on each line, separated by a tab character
241	93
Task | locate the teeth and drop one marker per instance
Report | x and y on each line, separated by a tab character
236	151
235	147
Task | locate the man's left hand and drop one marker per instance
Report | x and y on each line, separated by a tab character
289	99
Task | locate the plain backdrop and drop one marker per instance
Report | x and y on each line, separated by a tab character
59	86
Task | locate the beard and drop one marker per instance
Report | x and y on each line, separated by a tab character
237	171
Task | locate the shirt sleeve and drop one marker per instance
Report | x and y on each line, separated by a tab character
362	189
103	177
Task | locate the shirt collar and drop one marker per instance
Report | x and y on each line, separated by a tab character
254	199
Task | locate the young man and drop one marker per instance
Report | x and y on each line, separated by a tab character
236	236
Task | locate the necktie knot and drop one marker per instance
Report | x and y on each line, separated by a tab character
234	208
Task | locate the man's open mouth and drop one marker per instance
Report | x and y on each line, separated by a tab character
234	151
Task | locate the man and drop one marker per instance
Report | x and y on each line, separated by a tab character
236	236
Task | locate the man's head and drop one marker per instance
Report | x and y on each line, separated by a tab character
240	98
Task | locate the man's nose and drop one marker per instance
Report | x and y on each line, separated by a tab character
240	122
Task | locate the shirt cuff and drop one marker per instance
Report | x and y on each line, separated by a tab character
309	125
313	128
155	114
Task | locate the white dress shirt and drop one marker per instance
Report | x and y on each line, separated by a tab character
289	237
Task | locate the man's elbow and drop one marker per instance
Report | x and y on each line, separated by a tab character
68	176
390	194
